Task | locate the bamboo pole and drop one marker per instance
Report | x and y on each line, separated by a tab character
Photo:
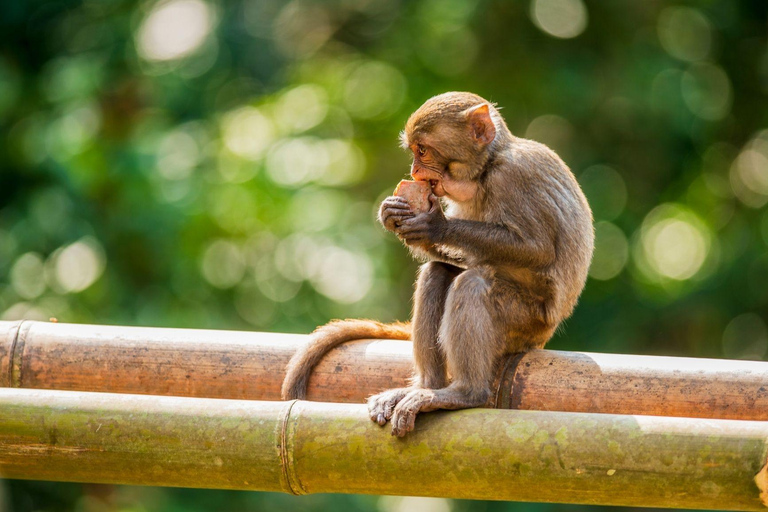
249	365
311	447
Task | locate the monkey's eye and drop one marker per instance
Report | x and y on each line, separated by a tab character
421	150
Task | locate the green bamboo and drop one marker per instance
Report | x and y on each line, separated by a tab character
310	447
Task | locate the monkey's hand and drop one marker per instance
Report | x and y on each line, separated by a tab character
393	211
425	229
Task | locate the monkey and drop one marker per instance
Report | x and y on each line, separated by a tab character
505	261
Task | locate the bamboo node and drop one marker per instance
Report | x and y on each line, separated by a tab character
291	481
504	397
16	353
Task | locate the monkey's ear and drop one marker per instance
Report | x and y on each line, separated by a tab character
480	123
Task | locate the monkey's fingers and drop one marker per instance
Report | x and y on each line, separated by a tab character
396	202
399	217
387	212
413	232
415	224
381	406
434	203
404	417
381	412
393	222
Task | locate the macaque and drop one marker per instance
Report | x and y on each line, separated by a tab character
505	261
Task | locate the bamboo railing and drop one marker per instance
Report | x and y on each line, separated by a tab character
248	365
309	447
188	408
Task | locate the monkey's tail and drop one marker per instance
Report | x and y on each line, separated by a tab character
327	337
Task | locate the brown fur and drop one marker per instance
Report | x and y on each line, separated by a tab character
507	262
327	337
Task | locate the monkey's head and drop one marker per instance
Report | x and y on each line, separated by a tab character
451	138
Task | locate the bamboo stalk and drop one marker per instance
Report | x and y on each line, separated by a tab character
249	365
310	447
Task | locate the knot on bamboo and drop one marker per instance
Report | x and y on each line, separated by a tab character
290	481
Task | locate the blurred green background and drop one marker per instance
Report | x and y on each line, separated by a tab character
212	164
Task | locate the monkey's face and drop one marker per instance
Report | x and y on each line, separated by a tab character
449	158
428	165
447	178
449	137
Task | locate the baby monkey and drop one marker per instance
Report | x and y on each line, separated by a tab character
506	261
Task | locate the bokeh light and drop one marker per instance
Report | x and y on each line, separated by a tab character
223	264
674	243
72	77
707	91
346	163
449	52
374	90
447	45
295	162
564	19
178	155
253	306
247	132
606	191
27	276
301	108
315	209
233	208
552	130
611	251
70	134
174	29
749	172
745	337
77	266
685	33
25	311
342	275
413	504
301	29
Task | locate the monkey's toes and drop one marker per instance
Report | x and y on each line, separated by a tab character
404	415
382	406
379	410
403	421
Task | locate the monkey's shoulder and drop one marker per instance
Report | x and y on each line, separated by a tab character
532	174
531	158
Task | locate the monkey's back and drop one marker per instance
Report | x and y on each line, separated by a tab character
546	199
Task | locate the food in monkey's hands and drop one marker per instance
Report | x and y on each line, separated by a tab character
416	193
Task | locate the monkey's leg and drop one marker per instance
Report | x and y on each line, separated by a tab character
432	287
429	305
472	338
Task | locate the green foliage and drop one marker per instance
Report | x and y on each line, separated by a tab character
213	164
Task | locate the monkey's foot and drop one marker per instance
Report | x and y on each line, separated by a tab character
404	416
426	400
381	406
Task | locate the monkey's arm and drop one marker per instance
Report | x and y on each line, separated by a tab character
523	233
437	253
499	242
508	242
